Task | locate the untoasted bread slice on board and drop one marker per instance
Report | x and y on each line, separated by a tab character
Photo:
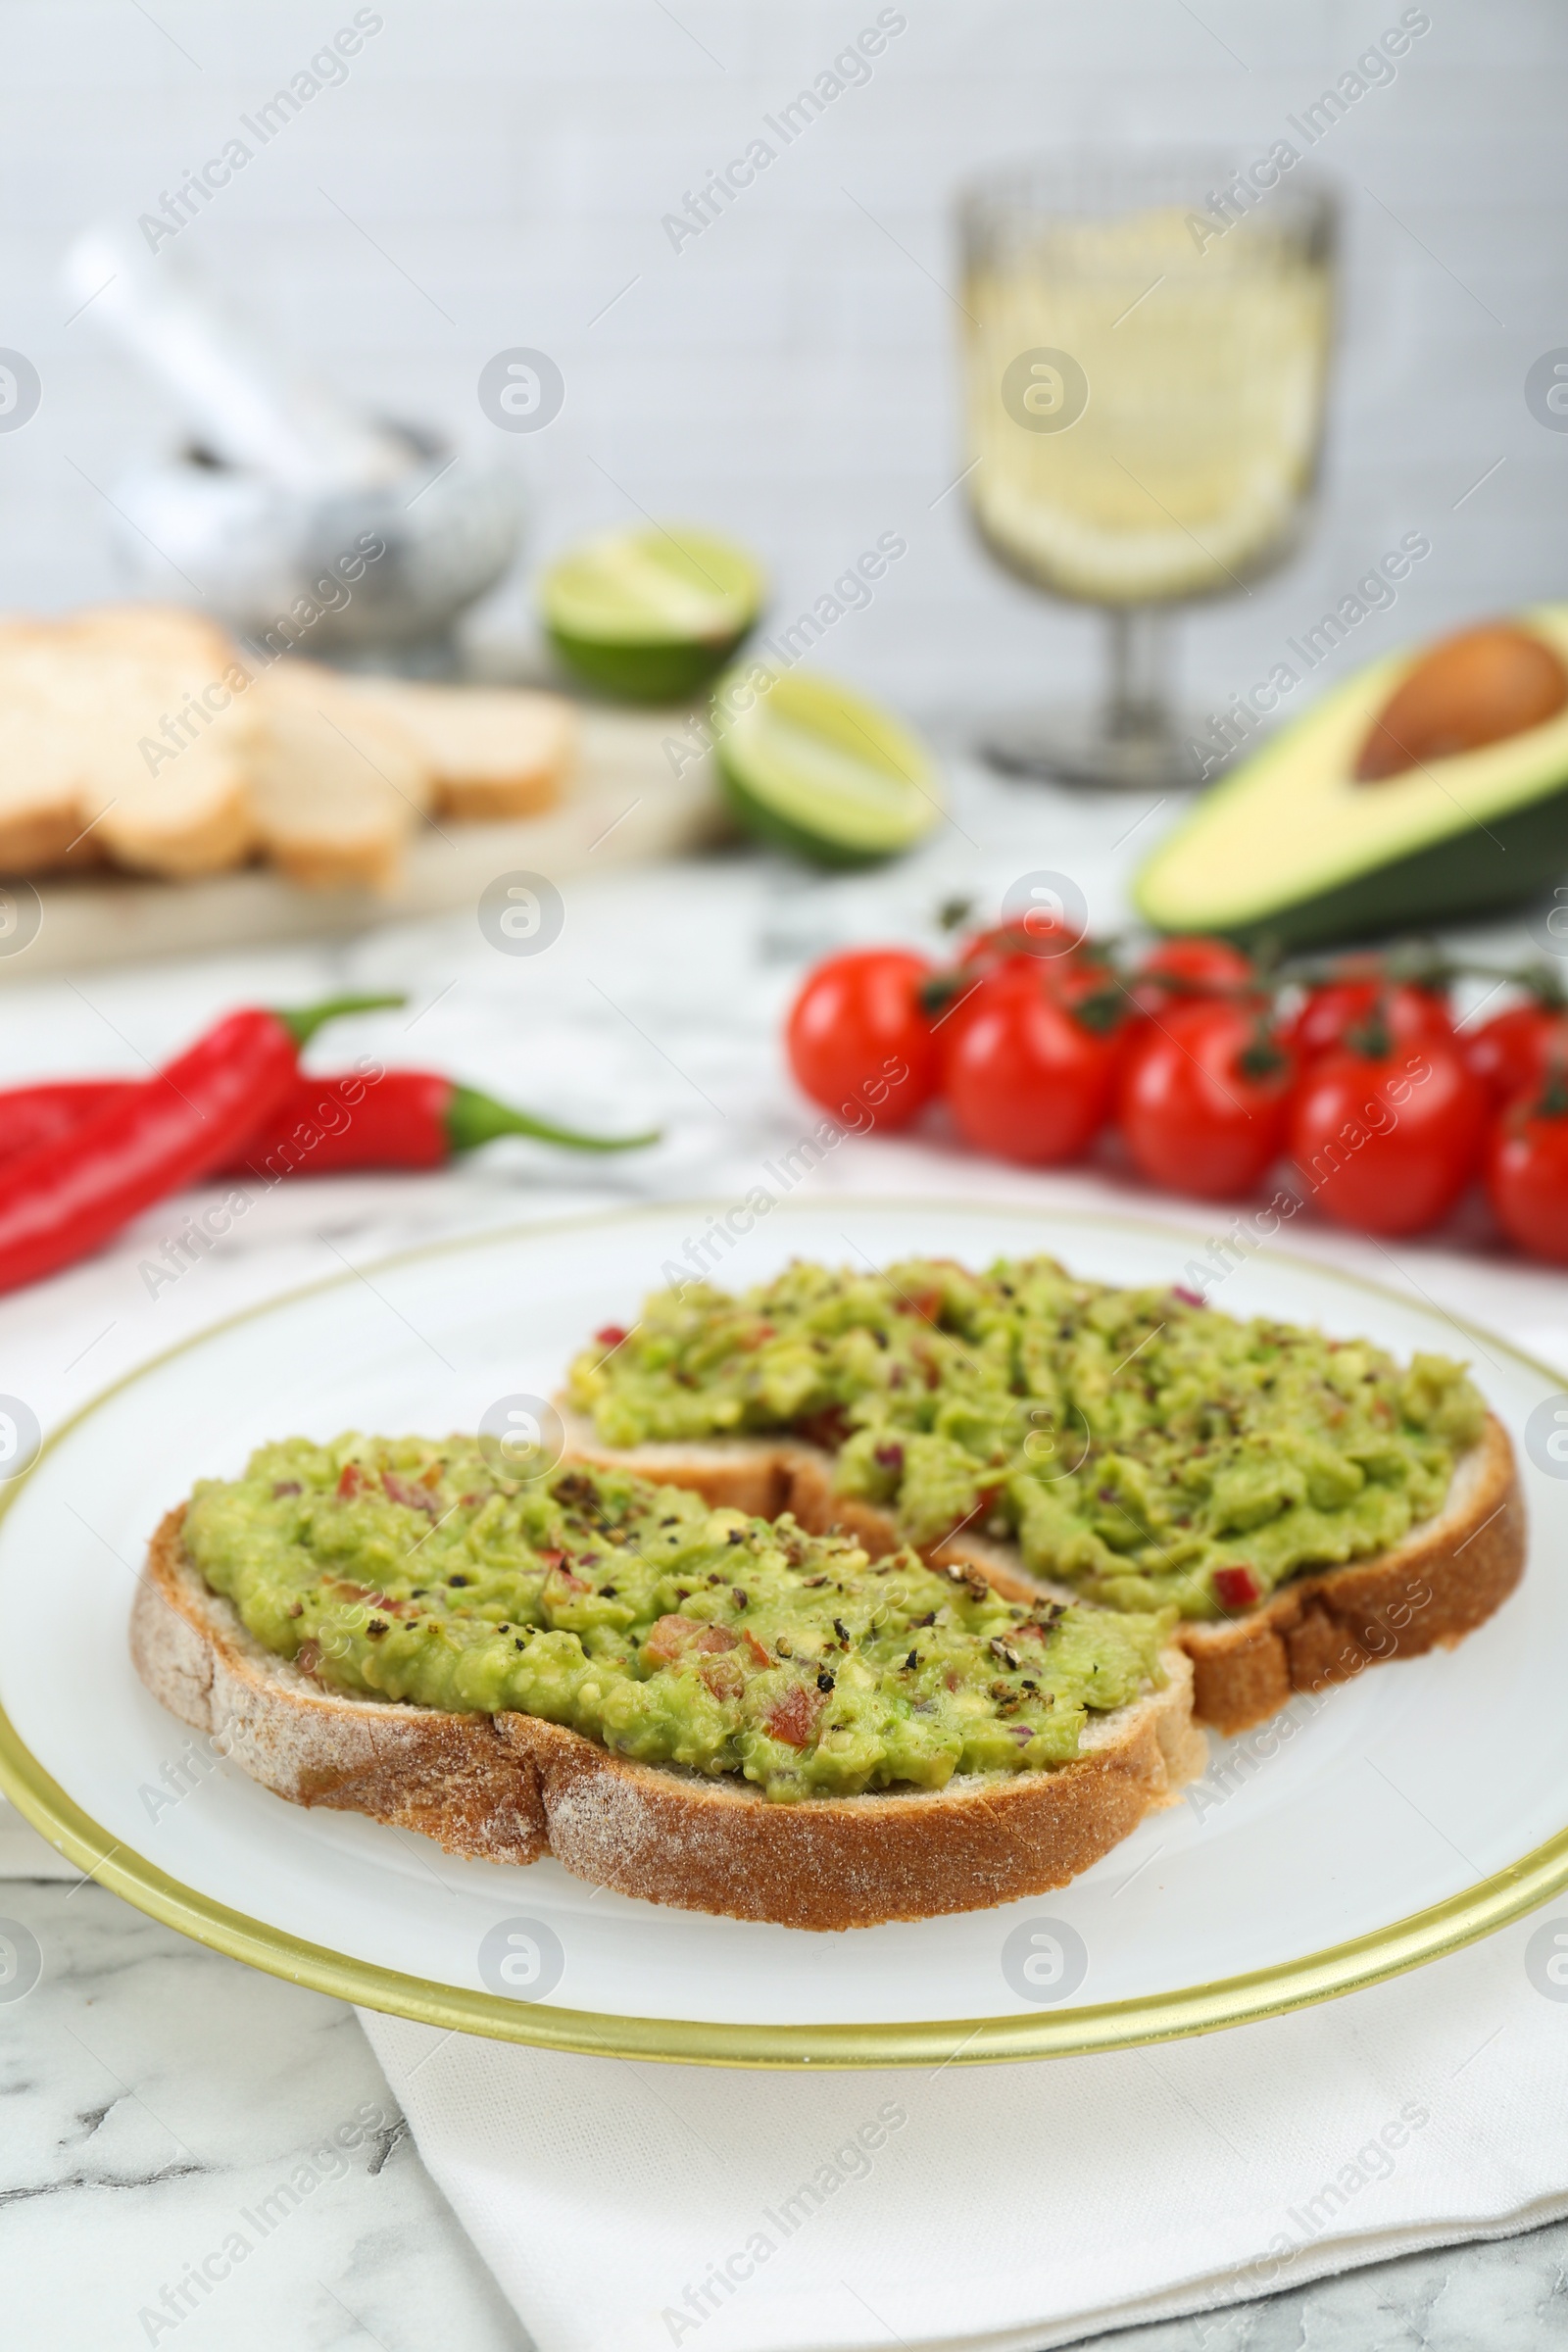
124	736
172	634
496	751
1447	1576
338	786
42	759
513	1788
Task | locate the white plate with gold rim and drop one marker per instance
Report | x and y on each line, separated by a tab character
1367	1831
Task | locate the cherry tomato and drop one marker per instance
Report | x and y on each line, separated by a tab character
1387	1142
1076	971
1086	982
1527	1173
1511	1053
1024	1076
1038	939
1205	1098
1177	970
1342	1008
1044	929
860	1041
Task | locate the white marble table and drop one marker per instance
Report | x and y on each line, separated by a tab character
150	2092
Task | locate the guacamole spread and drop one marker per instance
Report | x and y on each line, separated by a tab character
1141	1446
405	1569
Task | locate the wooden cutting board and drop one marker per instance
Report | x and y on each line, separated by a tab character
625	806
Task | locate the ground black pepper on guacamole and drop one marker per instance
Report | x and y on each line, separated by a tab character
406	1569
1141	1446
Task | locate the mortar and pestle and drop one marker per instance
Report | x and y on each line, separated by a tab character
272	510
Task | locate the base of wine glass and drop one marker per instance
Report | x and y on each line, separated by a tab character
1075	747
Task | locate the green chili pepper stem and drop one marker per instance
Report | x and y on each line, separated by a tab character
302	1022
472	1120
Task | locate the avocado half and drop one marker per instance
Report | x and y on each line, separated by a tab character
1289	847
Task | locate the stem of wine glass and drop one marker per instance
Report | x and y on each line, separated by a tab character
1139	704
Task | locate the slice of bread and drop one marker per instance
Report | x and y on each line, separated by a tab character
495	752
337	785
123	736
1449	1576
163	800
193	820
172	634
42	765
1323	1625
513	1788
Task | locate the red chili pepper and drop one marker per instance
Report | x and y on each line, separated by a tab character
401	1119
61	1199
1237	1588
323	1126
37	1114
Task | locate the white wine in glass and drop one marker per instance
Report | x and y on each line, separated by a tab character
1145	365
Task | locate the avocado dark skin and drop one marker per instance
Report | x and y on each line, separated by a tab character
1508	863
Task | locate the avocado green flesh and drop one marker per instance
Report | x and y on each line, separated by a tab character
1287	847
824	774
1136	1446
405	1569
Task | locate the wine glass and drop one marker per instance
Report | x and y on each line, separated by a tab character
1147	347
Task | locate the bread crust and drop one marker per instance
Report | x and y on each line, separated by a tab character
512	1787
1446	1577
1449	1576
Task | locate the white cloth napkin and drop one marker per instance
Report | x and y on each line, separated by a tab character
646	2207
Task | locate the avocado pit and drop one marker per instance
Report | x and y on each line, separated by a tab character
1474	688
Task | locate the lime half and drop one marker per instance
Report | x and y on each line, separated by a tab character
817	770
650	614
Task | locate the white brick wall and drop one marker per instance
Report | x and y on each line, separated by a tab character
790	373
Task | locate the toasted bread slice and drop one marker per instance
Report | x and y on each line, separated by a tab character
495	751
513	1788
338	786
1326	1626
1323	1625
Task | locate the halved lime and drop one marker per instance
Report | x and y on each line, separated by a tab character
650	614
820	771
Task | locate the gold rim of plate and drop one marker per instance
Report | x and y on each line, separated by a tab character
1406	1943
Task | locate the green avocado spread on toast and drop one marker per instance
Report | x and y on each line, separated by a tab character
408	1569
1139	1445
